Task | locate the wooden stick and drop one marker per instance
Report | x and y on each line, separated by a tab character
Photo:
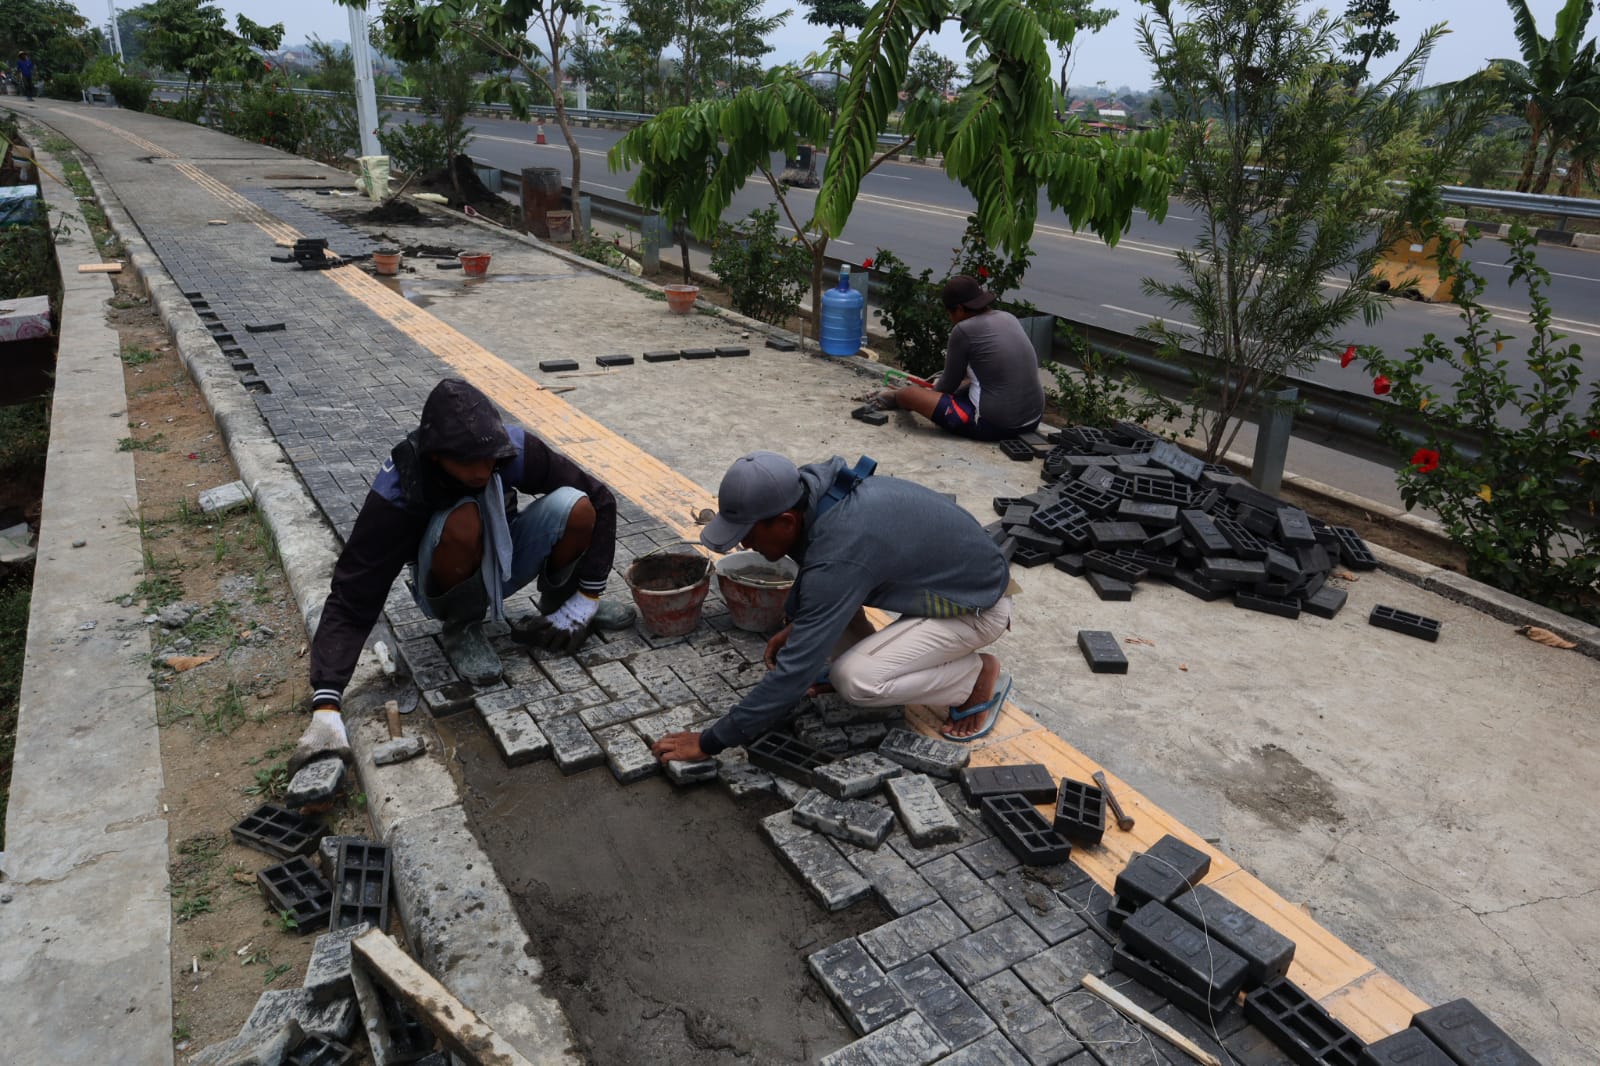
99	268
1149	1021
453	1022
391	710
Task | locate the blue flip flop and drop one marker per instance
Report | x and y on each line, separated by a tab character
1002	685
990	707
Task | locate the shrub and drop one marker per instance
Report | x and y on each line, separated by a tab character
416	148
1523	507
129	92
1098	391
271	115
64	87
765	272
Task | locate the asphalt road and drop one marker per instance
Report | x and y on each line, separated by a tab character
919	213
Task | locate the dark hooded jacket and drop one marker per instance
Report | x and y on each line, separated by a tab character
458	422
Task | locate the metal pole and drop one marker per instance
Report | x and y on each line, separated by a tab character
1273	430
366	95
116	32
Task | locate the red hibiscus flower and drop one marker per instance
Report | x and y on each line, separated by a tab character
866	264
983	272
1426	460
1348	357
1380	385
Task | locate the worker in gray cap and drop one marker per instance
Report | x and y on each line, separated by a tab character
990	388
862	540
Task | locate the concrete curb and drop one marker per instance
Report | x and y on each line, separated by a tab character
453	905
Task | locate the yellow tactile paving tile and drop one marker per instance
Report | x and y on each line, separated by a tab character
1370	1002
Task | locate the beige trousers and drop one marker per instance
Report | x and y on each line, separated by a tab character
930	661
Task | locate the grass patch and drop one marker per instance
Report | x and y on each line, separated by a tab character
149	444
14	596
137	355
194	875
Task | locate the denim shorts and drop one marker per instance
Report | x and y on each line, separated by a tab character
535	529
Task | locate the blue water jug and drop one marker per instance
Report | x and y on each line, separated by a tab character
841	317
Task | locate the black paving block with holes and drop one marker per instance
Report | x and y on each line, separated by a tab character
1246	493
1028	537
1080	812
1325	535
1110	589
1163	565
1093	501
1164	541
551	366
1326	602
1412	625
1261	600
1029	557
1199	587
1264	524
1469	1037
1002	504
614	360
780	344
1032	781
1353	550
1238	571
1245	544
1408	1047
1070	563
1110	535
361	876
870	415
1310	557
1201	963
666	356
1206	501
1017	451
1018	514
1087	436
732	351
1294	527
1120	911
278	831
1157	980
1065	520
1167	454
1102	562
1020	827
1201	531
1266	952
296	888
1008	549
698	353
1102	652
1169	867
1149	515
1165	490
782	754
318	1050
1281	565
1300	1027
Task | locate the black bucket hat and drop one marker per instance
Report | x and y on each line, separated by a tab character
459	422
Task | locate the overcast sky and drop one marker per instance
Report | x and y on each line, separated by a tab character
1480	30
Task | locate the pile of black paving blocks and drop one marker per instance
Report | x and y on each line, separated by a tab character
1121	505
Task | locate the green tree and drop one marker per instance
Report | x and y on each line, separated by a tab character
1285	165
931	71
194	39
1555	85
841	15
335	72
420	29
1371	37
999	139
51	31
446	89
647	35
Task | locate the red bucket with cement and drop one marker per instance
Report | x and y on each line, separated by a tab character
755	589
669	588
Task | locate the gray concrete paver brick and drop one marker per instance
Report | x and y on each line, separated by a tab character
857	985
977	903
1026	1020
897	942
984	953
935	995
908	1041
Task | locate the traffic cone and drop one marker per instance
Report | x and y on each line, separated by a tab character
540	138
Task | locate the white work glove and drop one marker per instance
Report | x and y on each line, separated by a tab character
324	736
576	613
565	629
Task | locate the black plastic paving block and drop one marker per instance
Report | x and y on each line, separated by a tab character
1028	557
1264	524
1008	548
1164	565
1206	501
779	344
1281	566
1002	504
1353	550
1300	1027
1324	534
1017	451
1080	812
1199	587
1238	571
1031	781
614	360
1021	827
1294	527
732	351
1312	557
1266	952
1246	493
1245	544
1018	514
870	415
318	1050
1326	602
1028	537
1190	862
1100	562
1160	490
1201	531
1094	502
1412	625
1110	589
296	888
1055	462
1121	910
1109	535
361	876
278	831
1071	563
1261	600
1153	977
1166	540
666	356
264	327
698	353
1167	454
1408	1047
1469	1037
1201	963
1148	515
1162	872
551	366
1088	436
783	754
1102	652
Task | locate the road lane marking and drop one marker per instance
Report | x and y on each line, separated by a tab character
1153	318
1553	273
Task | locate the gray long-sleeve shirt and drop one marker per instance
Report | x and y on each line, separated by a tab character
891	544
994	350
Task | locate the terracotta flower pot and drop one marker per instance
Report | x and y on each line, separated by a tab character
474	264
386	261
681	298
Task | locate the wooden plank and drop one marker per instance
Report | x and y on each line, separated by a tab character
1375	1006
1323	963
99	268
462	1031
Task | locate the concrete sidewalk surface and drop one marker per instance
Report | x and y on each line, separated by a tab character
1420	800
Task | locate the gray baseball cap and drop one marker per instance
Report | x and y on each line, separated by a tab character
756	487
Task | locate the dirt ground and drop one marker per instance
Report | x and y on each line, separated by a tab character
229	723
